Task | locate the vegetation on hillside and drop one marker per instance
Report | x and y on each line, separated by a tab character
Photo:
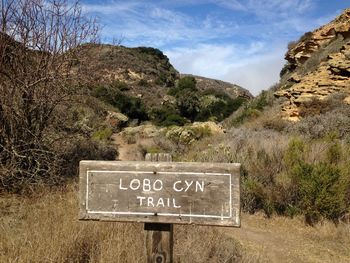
288	168
41	140
194	105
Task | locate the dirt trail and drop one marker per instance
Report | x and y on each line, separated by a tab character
127	151
278	239
282	239
124	149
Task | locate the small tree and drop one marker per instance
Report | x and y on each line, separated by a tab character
38	45
187	82
188	104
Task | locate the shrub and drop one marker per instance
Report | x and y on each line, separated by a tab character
102	135
295	154
120	85
217	105
187	82
253	108
143	82
80	148
130	106
167	115
151	51
188	104
318	126
174	119
322	193
321	189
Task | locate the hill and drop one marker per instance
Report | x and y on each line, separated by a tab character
318	66
230	89
293	139
141	72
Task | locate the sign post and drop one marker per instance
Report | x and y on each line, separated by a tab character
159	237
160	192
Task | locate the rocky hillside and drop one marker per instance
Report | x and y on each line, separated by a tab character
140	72
318	65
230	89
144	72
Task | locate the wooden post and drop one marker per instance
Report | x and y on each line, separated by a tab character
159	237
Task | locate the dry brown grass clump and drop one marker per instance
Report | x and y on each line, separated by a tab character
45	228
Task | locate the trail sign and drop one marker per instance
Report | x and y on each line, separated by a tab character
184	193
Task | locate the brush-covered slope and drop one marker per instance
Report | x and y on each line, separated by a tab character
318	65
230	89
140	72
140	82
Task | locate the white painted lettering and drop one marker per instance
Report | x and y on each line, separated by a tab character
160	202
188	184
174	204
150	201
177	189
146	185
141	198
160	185
199	186
121	185
133	182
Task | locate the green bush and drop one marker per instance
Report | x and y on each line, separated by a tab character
217	105
130	106
167	115
143	82
186	83
295	154
151	51
321	189
174	119
102	135
188	104
252	109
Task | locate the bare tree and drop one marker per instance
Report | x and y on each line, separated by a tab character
39	41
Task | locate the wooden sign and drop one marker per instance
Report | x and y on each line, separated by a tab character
184	193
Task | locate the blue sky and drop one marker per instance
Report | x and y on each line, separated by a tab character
239	41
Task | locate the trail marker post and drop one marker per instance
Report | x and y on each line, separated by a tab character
160	194
159	236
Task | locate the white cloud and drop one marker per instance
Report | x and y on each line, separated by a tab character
110	8
232	4
255	67
268	9
248	51
258	73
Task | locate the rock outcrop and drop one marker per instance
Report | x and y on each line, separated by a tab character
318	66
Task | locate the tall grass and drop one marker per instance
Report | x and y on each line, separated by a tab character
45	228
284	175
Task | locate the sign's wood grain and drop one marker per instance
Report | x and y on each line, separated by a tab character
159	237
184	193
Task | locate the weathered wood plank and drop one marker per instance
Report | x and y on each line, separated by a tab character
184	193
159	243
158	157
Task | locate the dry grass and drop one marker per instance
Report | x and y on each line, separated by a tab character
46	229
282	239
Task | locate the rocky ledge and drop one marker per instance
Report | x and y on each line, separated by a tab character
318	66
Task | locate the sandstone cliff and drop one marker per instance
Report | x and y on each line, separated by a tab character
318	65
